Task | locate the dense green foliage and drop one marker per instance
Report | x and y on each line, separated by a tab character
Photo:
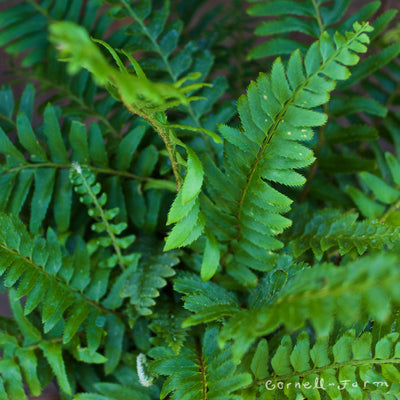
160	240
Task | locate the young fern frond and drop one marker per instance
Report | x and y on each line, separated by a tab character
150	33
276	114
31	40
353	366
139	94
84	182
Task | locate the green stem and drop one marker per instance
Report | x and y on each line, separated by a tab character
164	133
167	66
110	233
390	211
202	368
106	171
321	137
318	17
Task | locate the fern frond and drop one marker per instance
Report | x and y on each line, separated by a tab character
21	360
276	114
10	107
331	230
348	112
40	270
353	366
382	199
150	33
363	288
288	19
208	300
200	371
167	325
85	184
137	92
143	285
127	387
45	173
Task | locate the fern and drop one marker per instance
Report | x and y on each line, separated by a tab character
384	193
330	229
142	286
207	371
159	240
84	182
49	163
38	268
320	294
276	114
32	39
314	17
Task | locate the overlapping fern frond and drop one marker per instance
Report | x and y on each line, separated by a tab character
152	32
45	173
356	291
287	20
200	371
276	114
345	143
380	197
31	39
41	270
334	230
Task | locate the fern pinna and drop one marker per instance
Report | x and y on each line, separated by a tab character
159	241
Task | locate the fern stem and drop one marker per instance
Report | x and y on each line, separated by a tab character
8	119
202	369
390	211
168	68
163	131
95	201
321	137
105	171
150	37
318	17
41	10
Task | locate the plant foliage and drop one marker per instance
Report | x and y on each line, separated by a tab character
161	240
